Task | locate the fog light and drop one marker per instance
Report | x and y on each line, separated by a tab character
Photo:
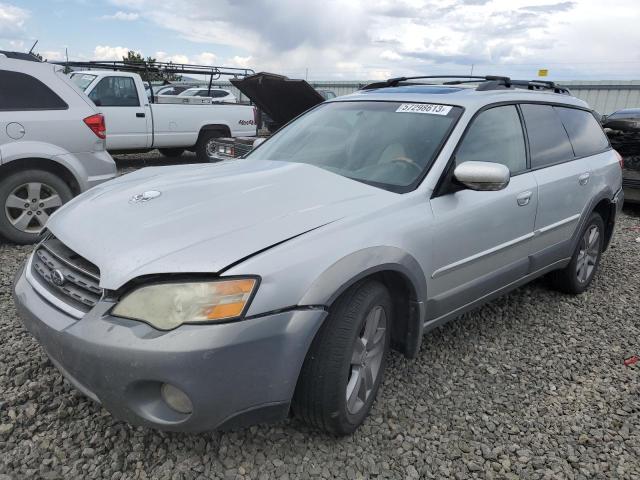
176	398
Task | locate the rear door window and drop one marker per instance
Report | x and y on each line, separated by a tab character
585	134
115	92
548	141
19	91
495	136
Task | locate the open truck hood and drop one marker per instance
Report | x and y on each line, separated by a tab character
280	97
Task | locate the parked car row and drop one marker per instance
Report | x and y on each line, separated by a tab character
195	297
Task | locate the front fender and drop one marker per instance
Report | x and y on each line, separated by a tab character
358	265
349	270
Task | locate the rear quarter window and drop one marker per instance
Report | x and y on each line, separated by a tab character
585	134
548	141
19	91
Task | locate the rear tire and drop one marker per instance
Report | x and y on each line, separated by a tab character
204	146
344	367
27	199
171	152
576	277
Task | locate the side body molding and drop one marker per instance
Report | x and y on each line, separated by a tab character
349	270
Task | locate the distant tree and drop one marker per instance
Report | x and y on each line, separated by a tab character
135	58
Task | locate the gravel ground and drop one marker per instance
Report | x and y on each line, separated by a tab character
530	386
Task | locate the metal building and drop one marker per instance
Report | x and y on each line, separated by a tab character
607	96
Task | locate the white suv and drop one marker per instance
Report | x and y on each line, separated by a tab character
52	145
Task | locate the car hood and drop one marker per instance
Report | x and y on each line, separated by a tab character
206	217
280	97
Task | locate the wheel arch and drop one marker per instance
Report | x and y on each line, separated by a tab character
220	127
399	271
607	210
47	164
604	205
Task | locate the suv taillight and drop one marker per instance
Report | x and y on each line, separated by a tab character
96	124
620	159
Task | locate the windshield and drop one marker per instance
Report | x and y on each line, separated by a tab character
82	80
386	144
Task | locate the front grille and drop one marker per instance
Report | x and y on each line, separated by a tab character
65	274
631	183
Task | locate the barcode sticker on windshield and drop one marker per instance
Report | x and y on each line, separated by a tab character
430	108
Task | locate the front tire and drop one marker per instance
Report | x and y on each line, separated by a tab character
576	277
344	367
205	151
27	199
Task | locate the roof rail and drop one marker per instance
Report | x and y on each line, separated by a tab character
30	57
160	68
486	82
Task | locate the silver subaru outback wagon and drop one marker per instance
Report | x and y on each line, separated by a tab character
212	296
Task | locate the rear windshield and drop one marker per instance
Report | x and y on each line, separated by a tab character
386	144
82	80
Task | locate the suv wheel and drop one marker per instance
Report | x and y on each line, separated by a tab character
344	367
27	199
172	152
205	147
576	277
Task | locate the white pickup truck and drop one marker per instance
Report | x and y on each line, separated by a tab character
170	124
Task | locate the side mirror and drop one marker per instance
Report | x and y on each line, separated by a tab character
482	176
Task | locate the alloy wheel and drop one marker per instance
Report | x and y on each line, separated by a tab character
588	254
29	205
366	359
211	148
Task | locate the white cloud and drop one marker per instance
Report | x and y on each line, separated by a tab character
175	58
359	38
390	55
52	55
240	62
205	58
12	20
105	52
122	16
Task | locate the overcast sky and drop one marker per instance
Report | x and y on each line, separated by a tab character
342	40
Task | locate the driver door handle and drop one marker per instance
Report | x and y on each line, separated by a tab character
140	114
524	198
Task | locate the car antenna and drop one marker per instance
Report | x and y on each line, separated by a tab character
34	46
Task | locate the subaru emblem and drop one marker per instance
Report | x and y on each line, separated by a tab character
57	277
145	196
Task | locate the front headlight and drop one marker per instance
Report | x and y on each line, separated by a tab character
169	305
